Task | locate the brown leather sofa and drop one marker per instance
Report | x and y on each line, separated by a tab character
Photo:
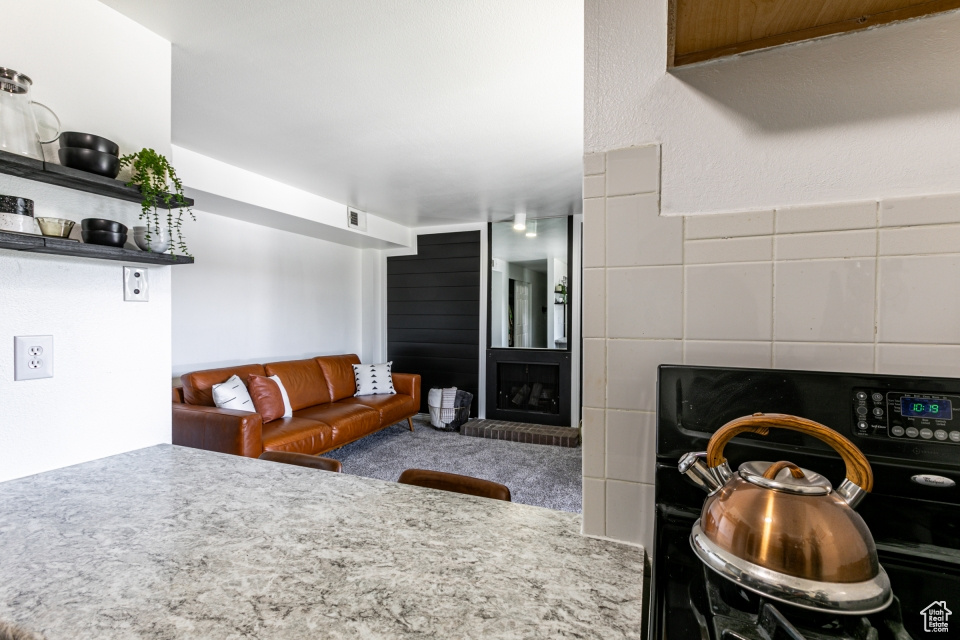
326	415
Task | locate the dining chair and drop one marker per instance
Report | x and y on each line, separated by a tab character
455	483
303	460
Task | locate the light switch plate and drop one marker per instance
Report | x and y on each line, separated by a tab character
136	286
32	357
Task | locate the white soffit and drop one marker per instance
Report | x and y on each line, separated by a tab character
423	112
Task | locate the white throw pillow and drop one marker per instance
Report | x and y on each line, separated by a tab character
233	394
287	409
374	379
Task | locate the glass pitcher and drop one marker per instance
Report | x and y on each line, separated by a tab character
18	124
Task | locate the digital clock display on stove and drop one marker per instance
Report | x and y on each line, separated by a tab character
936	408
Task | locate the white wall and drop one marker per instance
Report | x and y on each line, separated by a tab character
258	294
860	116
104	74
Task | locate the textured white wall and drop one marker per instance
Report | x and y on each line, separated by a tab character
104	74
869	115
258	294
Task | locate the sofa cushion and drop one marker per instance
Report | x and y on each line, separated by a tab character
374	379
392	409
338	370
266	397
303	381
298	435
233	394
349	421
197	386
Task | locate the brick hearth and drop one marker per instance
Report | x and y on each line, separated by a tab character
520	432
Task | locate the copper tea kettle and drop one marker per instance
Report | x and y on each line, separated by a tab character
784	532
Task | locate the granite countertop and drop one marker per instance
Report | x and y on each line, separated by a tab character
171	542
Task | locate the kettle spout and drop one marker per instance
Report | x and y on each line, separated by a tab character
694	466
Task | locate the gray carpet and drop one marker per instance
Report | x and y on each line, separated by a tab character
540	475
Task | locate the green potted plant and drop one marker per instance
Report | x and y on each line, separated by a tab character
159	184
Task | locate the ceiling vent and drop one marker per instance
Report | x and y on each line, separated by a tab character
356	219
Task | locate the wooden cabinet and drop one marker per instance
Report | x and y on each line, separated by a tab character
702	30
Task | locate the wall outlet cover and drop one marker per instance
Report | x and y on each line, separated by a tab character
32	357
136	285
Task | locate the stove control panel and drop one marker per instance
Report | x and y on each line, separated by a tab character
928	417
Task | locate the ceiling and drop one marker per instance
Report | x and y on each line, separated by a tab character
421	111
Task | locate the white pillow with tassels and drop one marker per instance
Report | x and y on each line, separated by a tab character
374	379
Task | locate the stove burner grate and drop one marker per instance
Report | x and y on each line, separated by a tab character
733	613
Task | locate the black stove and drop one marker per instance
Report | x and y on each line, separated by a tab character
909	429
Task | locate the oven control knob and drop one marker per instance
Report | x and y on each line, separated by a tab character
878	397
912	432
862	411
862	425
877	411
940	434
861	395
926	434
897	431
955	436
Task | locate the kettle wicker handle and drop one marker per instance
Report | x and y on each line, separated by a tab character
858	468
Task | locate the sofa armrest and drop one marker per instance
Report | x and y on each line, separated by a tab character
408	384
178	395
213	429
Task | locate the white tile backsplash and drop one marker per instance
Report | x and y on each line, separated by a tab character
729	301
918	300
631	446
825	301
632	371
594	507
838	244
754	223
594	163
630	512
816	356
920	210
727	353
645	302
634	170
828	217
637	235
594	232
939	360
594	372
593	186
752	249
594	303
593	438
912	241
796	288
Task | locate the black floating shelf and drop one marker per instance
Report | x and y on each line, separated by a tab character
24	167
60	247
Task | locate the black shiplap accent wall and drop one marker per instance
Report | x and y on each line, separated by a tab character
433	312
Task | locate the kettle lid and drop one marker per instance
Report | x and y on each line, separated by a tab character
785	476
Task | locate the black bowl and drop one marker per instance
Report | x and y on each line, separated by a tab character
99	224
14	204
77	140
107	238
91	161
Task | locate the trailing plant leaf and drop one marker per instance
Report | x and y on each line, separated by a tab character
159	184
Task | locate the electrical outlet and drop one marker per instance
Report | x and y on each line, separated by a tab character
136	286
32	357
